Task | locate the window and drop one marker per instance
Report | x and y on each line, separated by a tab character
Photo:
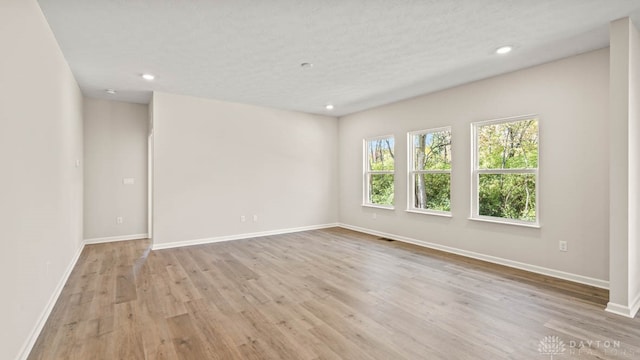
505	171
430	171
379	171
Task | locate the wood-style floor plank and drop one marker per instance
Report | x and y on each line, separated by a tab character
323	294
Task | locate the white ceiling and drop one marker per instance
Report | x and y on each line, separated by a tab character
366	52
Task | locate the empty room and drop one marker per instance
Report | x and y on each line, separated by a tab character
320	179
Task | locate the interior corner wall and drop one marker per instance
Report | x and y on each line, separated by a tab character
619	163
570	96
216	161
115	148
624	240
634	165
150	171
41	182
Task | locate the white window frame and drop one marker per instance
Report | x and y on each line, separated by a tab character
366	198
411	172
476	172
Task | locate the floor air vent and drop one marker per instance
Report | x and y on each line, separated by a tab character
385	239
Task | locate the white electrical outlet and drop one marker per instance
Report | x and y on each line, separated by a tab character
119	220
243	218
563	246
374	216
255	218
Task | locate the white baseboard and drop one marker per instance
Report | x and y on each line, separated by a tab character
44	316
603	284
627	311
618	309
611	307
115	238
239	236
635	306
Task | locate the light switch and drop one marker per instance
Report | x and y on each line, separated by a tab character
128	181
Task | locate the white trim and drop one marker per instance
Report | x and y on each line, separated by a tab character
603	284
366	172
515	171
239	236
430	212
115	238
411	172
618	309
427	131
381	172
627	311
414	172
506	221
635	305
44	316
376	206
507	119
476	171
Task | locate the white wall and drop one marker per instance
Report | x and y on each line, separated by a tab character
624	295
40	186
634	164
115	147
570	97
215	161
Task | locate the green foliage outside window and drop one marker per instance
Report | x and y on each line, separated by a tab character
431	168
512	145
508	146
511	196
381	189
381	165
436	192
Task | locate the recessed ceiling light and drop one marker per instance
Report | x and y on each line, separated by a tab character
148	77
504	50
329	107
306	65
110	91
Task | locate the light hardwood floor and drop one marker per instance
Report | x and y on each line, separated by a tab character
325	294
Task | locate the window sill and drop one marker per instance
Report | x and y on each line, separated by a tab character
379	206
506	222
431	212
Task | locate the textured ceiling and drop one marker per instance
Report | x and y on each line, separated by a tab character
366	53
